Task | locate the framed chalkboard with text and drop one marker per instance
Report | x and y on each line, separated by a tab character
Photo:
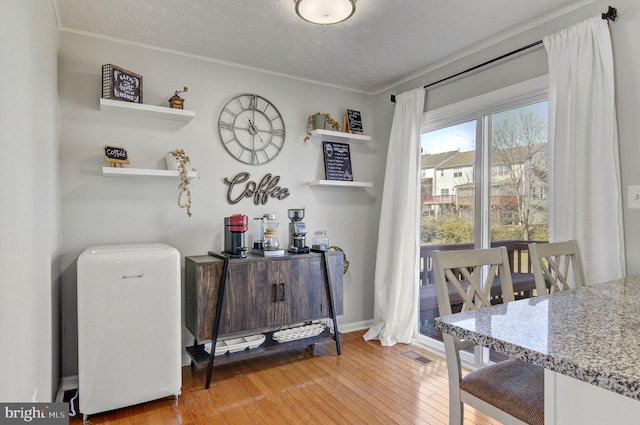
120	84
115	155
337	161
352	122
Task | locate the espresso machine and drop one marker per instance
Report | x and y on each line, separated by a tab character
234	230
297	231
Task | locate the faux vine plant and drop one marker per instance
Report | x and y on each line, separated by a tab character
184	194
334	124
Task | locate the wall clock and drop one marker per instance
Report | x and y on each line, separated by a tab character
251	129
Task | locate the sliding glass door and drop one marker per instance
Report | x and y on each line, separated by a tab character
484	183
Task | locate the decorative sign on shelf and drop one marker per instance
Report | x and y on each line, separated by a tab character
120	84
260	191
337	161
352	122
115	155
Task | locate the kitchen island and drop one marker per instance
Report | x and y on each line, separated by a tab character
587	339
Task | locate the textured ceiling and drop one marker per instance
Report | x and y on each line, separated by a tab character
384	42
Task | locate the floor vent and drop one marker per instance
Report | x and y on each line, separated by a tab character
417	357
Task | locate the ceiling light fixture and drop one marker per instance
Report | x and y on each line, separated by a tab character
325	12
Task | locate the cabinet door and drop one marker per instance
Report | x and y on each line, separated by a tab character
249	296
303	283
202	283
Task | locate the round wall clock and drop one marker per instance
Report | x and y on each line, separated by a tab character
251	129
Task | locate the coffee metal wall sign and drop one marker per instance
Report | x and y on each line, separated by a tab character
260	191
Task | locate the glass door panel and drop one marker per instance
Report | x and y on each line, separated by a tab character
518	190
447	205
518	187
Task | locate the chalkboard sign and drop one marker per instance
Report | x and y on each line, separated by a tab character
352	122
115	155
337	161
120	84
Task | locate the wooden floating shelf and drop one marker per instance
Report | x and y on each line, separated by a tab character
144	172
338	136
338	183
147	111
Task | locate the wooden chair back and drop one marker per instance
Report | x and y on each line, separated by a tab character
557	266
465	270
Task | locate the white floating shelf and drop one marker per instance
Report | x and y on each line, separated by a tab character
147	111
338	136
339	183
144	172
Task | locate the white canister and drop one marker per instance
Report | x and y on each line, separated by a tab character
172	162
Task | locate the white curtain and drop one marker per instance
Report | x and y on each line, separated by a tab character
396	275
585	200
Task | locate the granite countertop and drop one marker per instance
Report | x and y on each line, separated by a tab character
591	334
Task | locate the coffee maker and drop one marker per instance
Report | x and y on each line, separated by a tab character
297	231
264	236
234	230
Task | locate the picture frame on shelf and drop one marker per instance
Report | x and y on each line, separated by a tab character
115	156
352	122
121	84
337	161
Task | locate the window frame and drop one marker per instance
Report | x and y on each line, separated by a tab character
478	109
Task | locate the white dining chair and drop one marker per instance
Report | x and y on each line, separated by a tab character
511	391
557	266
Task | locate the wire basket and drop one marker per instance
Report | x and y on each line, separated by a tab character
345	263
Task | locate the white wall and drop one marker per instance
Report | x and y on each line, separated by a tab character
101	210
29	210
624	33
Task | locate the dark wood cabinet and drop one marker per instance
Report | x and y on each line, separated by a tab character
260	295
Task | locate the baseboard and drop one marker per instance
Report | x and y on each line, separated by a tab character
186	359
355	326
438	351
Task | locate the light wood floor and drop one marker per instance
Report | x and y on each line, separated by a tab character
367	384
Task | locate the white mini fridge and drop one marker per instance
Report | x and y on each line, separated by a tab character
129	343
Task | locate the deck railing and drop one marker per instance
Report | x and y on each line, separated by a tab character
439	199
518	256
519	262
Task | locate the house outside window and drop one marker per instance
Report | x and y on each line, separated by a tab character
502	170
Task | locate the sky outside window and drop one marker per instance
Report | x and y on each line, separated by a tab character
463	136
456	137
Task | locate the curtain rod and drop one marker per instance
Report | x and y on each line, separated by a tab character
610	15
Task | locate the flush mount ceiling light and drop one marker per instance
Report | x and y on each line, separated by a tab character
325	12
